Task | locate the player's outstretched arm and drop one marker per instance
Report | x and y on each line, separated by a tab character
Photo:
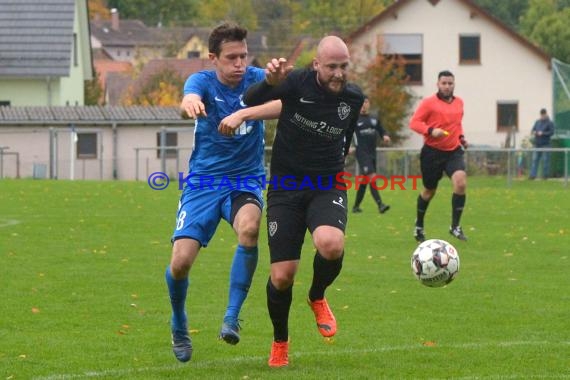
192	107
267	111
269	88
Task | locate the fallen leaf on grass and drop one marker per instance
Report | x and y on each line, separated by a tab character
35	310
429	343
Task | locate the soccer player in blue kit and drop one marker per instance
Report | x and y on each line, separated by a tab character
228	147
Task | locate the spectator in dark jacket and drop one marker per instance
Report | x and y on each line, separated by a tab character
542	130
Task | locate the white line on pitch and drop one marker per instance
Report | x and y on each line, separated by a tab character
241	359
8	222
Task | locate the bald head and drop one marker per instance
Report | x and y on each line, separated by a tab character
332	45
331	64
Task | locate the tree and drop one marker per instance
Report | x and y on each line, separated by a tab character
275	18
93	91
319	18
384	81
537	10
508	11
162	89
241	12
552	33
163	12
98	10
546	24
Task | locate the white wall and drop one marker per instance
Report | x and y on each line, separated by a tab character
33	145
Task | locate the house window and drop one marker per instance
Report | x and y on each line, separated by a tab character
193	54
87	145
469	49
171	140
507	116
413	67
409	47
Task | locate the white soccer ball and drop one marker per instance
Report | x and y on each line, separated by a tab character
435	263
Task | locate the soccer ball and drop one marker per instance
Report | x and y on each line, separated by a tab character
435	263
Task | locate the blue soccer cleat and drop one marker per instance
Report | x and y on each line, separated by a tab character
182	345
230	331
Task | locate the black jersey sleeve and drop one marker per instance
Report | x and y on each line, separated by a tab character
380	128
359	99
349	134
262	92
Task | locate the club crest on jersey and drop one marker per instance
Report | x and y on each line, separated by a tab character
343	110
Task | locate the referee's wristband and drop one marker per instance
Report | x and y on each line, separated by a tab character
430	130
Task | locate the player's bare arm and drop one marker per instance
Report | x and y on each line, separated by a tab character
192	107
267	111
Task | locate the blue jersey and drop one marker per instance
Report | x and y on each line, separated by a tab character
216	155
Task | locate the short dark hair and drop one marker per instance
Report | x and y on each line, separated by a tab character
225	32
543	111
445	73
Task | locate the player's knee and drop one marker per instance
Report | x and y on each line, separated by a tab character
330	246
428	194
459	182
282	280
248	232
183	252
179	268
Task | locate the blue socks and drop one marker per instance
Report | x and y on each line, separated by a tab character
241	275
177	290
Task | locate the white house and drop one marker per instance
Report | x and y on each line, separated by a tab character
503	78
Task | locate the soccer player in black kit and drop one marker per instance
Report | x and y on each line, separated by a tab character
365	141
319	114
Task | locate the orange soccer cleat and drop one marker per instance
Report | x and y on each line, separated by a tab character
279	356
326	323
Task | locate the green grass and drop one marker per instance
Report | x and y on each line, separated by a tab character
82	293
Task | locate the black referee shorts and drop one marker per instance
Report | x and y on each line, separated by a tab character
435	162
291	213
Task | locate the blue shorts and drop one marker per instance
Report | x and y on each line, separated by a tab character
200	210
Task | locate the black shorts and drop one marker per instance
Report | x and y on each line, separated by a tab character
242	200
291	213
367	164
435	162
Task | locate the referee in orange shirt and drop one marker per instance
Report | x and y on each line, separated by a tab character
438	119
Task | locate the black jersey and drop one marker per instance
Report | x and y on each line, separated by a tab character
315	126
365	135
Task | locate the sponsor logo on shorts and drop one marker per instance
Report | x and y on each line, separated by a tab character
339	202
272	228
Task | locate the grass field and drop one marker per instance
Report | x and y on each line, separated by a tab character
82	293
